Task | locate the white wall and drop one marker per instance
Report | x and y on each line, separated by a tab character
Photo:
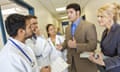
91	13
44	16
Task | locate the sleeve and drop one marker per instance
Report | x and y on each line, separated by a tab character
18	64
11	64
43	45
91	37
47	49
38	68
64	44
113	61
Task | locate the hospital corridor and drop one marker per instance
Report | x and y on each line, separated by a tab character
59	35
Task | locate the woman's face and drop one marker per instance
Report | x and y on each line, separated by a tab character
52	30
104	18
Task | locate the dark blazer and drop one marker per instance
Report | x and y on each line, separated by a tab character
110	46
86	38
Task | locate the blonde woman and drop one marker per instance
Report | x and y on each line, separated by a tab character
110	43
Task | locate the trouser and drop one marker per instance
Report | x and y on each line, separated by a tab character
72	67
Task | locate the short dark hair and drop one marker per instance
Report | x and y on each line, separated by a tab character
75	6
28	17
14	22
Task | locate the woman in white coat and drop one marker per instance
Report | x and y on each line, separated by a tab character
55	40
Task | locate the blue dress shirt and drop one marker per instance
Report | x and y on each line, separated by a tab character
74	26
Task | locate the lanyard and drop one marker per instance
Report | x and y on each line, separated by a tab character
18	47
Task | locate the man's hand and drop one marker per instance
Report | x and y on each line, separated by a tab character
72	43
45	69
59	47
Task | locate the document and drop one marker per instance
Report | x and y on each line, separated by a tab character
59	65
84	55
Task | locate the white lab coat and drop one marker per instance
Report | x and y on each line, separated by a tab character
13	60
56	53
42	50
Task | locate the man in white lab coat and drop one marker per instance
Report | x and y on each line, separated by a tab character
15	56
38	43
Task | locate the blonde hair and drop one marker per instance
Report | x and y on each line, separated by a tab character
113	8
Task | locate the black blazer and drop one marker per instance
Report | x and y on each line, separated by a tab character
110	46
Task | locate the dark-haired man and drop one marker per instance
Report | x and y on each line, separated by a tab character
15	56
80	37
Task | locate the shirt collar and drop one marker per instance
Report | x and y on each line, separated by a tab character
77	21
113	28
22	45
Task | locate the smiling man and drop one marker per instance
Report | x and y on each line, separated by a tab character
80	37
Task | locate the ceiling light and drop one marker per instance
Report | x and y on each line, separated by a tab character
64	17
8	11
61	9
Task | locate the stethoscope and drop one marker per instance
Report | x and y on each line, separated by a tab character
19	48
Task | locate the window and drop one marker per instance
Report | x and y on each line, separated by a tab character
8	7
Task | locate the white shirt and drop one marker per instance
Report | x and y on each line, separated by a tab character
56	53
13	60
42	50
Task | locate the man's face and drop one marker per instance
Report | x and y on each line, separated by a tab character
34	24
72	14
28	30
